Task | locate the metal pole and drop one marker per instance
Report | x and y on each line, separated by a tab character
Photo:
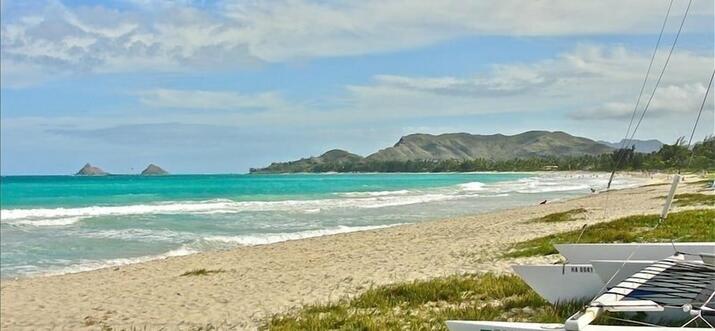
669	199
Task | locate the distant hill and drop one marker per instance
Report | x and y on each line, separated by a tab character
463	146
334	156
642	146
89	170
452	146
153	170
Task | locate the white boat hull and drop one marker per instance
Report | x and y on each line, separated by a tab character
585	253
515	326
500	326
573	282
561	283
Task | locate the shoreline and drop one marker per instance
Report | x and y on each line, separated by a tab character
91	265
107	264
258	281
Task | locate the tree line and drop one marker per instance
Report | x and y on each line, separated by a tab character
701	157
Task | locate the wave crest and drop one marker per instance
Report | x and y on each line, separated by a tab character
271	238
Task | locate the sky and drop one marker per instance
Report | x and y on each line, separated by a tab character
222	86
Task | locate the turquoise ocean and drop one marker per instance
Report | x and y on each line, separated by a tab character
61	224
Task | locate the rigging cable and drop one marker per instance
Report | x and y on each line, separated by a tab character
700	113
660	77
647	74
635	111
657	82
640	120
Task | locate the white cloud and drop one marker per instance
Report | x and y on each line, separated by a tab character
180	36
668	100
505	80
589	82
212	100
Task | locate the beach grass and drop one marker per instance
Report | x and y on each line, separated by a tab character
694	199
691	199
565	216
202	272
684	226
425	305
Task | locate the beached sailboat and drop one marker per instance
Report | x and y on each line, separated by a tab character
561	283
585	253
670	286
590	268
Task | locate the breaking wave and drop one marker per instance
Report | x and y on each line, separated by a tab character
195	246
41	217
31	270
271	238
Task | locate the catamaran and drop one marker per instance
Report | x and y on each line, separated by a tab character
674	286
592	267
585	253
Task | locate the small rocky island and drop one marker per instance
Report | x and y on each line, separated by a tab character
89	170
154	170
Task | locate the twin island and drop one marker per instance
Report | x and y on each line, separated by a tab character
90	170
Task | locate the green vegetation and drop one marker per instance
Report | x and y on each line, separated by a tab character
565	216
693	199
202	272
685	226
425	305
669	157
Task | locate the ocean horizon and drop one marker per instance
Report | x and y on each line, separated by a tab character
63	224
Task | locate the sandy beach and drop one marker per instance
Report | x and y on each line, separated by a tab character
259	281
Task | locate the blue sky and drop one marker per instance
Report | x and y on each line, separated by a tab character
221	86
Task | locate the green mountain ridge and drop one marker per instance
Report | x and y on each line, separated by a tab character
450	146
498	147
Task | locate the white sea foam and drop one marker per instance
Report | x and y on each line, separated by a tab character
191	248
216	207
147	235
271	238
374	193
164	208
547	183
89	265
500	195
62	221
543	183
473	186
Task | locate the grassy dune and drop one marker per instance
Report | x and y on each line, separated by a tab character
425	305
565	216
694	199
694	225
